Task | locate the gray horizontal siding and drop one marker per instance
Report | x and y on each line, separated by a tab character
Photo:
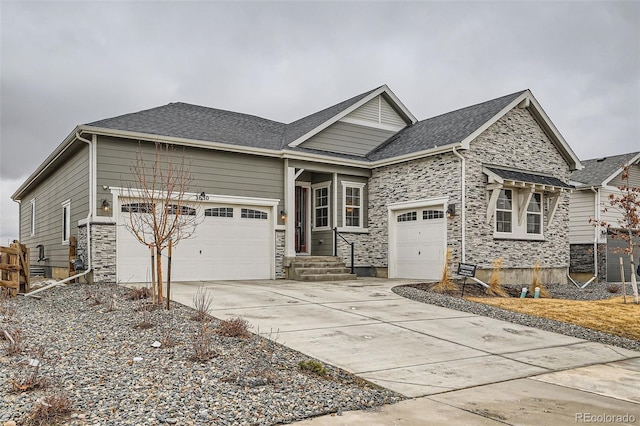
324	249
69	181
368	111
214	172
633	181
378	110
388	115
348	138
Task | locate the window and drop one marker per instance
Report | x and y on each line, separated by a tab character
182	210
252	214
321	206
407	217
137	208
504	211
219	212
33	217
352	198
66	221
534	214
432	214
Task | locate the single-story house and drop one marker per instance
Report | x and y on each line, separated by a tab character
487	181
592	247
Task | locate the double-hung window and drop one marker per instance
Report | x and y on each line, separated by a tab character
504	211
352	201
321	206
66	221
534	214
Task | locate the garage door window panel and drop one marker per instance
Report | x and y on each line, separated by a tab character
219	212
253	214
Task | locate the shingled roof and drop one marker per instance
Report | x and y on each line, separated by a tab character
597	170
452	127
181	120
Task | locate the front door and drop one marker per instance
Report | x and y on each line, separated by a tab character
302	212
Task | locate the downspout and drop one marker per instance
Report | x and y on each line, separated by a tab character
596	236
463	203
89	217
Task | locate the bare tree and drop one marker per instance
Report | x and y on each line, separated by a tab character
627	204
158	204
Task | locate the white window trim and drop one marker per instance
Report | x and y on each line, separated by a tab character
66	221
360	186
520	200
314	187
33	217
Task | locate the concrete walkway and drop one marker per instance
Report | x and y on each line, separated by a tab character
460	367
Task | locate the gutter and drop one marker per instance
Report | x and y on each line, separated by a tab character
463	203
92	197
595	237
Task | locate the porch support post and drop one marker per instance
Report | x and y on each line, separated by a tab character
289	199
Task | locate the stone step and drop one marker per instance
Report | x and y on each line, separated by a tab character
315	259
317	271
328	277
317	265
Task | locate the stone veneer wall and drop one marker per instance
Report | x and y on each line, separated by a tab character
429	177
103	249
280	252
581	260
516	140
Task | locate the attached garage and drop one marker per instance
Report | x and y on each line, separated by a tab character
231	242
417	239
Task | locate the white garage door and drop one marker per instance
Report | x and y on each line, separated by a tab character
420	243
231	242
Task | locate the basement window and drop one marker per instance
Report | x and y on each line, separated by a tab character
66	221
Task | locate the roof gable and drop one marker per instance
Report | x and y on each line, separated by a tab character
600	171
303	129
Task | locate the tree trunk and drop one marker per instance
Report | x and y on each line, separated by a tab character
634	284
169	275
154	293
159	273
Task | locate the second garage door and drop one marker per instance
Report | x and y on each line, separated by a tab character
231	242
419	243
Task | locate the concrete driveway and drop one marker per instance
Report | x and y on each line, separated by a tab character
462	368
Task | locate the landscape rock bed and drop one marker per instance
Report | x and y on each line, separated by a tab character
91	355
423	293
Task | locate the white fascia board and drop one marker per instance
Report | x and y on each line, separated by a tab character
425	202
561	143
66	143
337	117
305	156
213	198
181	141
617	172
414	155
381	90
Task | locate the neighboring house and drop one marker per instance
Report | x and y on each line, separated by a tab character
487	181
591	246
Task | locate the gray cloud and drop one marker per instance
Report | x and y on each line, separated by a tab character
68	63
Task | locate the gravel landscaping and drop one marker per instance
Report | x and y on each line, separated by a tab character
102	357
422	293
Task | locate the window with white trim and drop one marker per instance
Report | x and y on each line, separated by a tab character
321	206
33	217
352	202
504	211
66	221
534	214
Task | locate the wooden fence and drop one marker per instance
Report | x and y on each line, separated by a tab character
14	267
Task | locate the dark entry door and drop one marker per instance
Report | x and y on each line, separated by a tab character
302	197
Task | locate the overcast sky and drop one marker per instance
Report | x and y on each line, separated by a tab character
69	63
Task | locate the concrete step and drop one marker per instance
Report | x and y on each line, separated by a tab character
317	271
299	265
328	277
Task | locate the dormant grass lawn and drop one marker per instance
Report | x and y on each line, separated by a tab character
610	316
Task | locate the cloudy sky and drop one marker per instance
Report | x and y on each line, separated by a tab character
69	63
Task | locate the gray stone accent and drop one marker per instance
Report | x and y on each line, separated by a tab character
103	249
280	266
581	260
517	141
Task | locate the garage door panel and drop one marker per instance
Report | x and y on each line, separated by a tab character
419	244
222	247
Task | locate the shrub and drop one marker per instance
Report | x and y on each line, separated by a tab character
203	349
613	288
139	293
202	301
28	375
445	285
16	343
234	327
535	282
49	410
313	366
495	281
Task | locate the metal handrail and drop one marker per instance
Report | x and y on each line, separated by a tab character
335	245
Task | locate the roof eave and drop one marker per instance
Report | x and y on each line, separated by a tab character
66	143
633	160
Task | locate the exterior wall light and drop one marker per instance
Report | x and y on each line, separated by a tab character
451	211
105	206
283	215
